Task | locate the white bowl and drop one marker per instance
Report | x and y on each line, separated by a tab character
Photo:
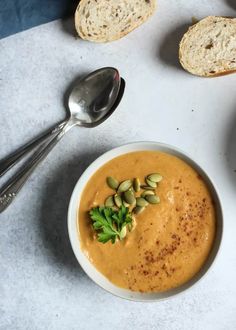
91	271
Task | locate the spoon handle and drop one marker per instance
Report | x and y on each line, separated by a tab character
16	156
9	192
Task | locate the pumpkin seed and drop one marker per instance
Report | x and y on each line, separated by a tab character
147	192
141	202
112	183
151	183
155	177
132	225
125	204
136	184
138	209
123	232
129	197
153	199
109	202
147	187
132	189
124	186
118	200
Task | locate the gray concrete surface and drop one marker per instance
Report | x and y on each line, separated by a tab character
41	284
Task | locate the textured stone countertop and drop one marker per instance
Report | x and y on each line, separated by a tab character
41	284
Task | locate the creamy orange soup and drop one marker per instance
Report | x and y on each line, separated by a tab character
171	240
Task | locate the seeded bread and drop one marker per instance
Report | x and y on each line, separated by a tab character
208	48
108	20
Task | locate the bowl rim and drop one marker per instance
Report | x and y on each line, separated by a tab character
73	231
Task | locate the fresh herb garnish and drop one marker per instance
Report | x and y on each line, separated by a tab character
110	223
112	220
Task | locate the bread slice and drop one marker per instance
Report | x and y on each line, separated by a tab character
108	20
208	48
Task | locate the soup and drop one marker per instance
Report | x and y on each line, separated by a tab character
171	240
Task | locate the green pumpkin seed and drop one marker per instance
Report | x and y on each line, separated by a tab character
129	197
147	187
112	183
141	202
132	189
125	204
136	184
138	209
124	186
150	183
132	225
109	202
155	177
123	232
118	200
153	199
147	192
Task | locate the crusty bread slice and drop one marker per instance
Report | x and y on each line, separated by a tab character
108	20
208	48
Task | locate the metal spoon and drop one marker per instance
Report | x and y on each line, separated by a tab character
95	82
91	102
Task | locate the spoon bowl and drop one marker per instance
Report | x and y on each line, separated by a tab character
91	100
